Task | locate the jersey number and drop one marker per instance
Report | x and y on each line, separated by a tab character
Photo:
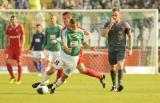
56	62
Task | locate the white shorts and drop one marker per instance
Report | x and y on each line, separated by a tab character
67	62
51	56
38	54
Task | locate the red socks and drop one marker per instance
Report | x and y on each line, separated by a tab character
92	73
10	70
59	73
19	72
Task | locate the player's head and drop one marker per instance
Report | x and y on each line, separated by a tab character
38	28
53	19
72	25
66	17
13	19
116	14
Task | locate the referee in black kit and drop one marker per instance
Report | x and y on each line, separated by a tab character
117	32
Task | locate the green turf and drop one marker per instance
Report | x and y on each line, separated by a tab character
83	89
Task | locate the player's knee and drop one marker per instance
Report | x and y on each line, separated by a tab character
8	61
19	63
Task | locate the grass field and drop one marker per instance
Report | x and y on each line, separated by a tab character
83	89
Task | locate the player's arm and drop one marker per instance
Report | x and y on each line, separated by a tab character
22	36
7	33
130	38
58	37
45	38
32	43
107	28
86	45
64	43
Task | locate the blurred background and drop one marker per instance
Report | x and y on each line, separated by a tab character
143	23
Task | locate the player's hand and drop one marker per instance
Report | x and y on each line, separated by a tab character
130	52
54	41
112	21
92	48
69	50
44	51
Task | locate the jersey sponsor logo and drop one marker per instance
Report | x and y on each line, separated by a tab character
53	36
74	43
75	35
37	40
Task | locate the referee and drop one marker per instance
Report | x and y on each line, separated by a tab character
117	32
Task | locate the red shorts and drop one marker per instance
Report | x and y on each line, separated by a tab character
80	57
14	54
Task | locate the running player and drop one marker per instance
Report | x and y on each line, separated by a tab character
80	66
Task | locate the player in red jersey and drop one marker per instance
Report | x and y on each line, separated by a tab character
16	39
80	66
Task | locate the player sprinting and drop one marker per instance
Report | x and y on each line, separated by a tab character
80	66
72	38
15	39
37	49
117	32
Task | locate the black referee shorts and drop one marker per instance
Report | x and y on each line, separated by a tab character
117	55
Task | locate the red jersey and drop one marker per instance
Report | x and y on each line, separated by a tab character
15	36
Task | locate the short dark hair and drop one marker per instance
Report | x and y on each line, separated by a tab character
66	13
73	21
38	25
115	9
12	16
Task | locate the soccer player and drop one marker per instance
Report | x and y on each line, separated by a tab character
16	39
117	32
52	44
37	47
80	66
72	38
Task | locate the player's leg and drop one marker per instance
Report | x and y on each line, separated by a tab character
19	63
9	66
45	78
59	74
19	72
112	56
10	70
69	65
90	72
120	64
58	82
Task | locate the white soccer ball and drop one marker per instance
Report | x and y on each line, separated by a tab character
42	89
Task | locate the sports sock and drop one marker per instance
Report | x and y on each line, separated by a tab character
19	72
120	75
46	77
59	73
57	83
10	70
113	77
92	73
36	65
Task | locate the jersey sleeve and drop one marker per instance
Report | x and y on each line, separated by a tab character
7	30
59	34
106	24
64	36
127	28
22	29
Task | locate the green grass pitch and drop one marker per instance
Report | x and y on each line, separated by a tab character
83	89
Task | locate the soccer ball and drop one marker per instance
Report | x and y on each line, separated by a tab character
42	89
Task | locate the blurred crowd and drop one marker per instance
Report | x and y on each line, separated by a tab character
79	4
